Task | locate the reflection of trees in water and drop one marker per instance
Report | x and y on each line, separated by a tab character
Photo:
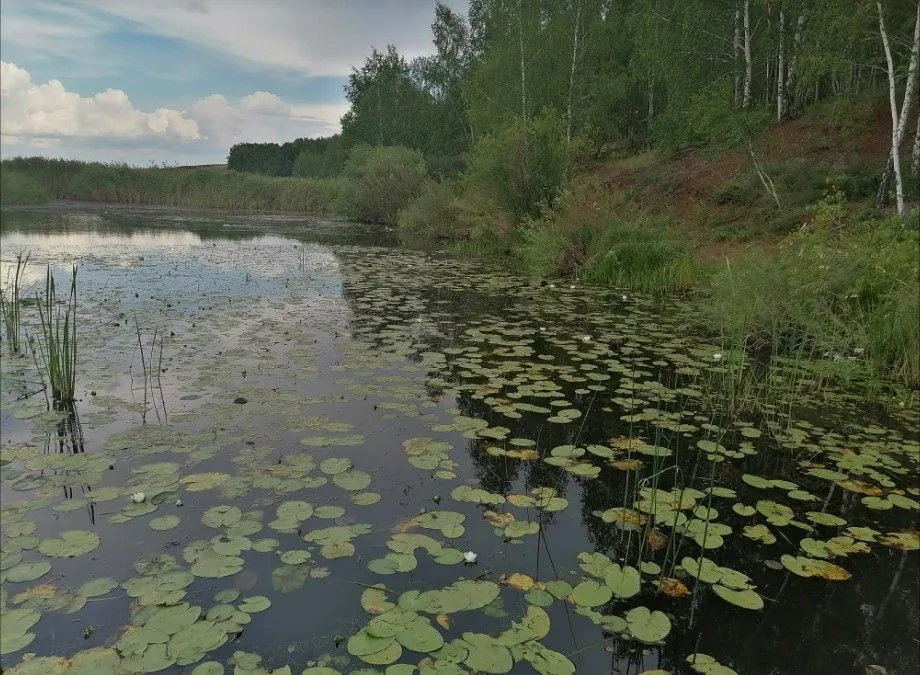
67	438
808	625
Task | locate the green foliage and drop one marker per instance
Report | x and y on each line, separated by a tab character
11	304
20	189
842	289
57	346
431	218
585	235
274	159
193	187
523	164
383	180
321	161
642	256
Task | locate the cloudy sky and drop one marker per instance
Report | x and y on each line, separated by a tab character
180	81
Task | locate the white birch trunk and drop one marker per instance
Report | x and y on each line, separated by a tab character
781	65
899	122
521	45
790	72
575	36
748	74
736	46
915	155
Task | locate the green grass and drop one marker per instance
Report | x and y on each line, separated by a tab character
194	187
843	290
57	348
20	189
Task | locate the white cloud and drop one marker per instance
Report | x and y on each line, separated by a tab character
308	37
48	111
49	119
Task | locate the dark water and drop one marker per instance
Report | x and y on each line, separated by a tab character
260	334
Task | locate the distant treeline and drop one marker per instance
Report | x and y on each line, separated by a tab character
314	157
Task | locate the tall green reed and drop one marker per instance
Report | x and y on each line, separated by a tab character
57	347
10	304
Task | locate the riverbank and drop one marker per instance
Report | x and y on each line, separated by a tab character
780	238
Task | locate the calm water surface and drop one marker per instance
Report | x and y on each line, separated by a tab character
310	413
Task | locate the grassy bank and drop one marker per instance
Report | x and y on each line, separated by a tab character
779	241
35	180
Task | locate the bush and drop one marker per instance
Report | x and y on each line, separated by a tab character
522	165
19	189
433	217
384	180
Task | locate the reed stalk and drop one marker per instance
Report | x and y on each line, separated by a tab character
11	306
58	345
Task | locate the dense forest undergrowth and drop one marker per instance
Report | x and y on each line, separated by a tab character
745	156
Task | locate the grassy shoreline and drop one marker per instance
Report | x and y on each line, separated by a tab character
33	181
826	278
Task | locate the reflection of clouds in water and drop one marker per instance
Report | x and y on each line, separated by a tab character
157	254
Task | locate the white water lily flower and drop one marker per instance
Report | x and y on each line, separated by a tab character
623	298
586	338
718	356
552	285
138	497
572	286
469	557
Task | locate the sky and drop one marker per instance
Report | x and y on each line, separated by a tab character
180	81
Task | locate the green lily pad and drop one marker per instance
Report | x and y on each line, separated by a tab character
254	603
590	593
164	522
70	543
623	582
646	626
746	598
221	516
27	571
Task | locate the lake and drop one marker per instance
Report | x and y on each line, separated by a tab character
298	448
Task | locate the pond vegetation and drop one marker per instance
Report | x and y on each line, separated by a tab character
305	454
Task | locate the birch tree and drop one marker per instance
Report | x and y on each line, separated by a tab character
899	121
748	68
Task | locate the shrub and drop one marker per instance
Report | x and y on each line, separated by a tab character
19	189
433	217
384	180
523	164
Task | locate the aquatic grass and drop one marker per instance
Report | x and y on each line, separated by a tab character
11	304
57	347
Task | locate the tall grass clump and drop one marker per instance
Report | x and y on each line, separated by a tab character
57	348
585	235
20	189
11	305
844	288
384	179
642	256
